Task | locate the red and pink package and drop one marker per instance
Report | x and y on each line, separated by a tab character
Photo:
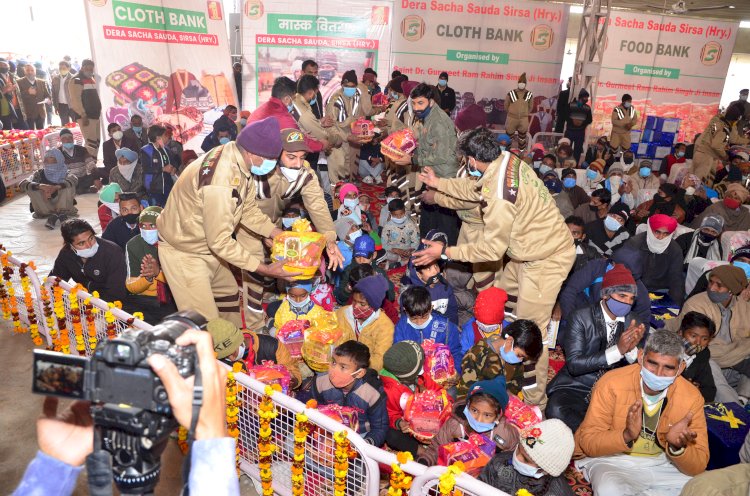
438	362
292	334
343	414
427	411
471	453
520	414
271	373
363	127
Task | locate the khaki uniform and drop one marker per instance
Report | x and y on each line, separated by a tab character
623	120
272	195
212	197
310	124
396	116
520	221
518	105
344	111
711	146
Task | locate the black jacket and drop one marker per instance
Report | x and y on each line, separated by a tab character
447	99
585	344
663	270
582	114
500	474
119	233
104	272
597	236
700	372
562	110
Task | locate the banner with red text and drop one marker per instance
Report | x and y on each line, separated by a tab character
165	60
278	35
484	46
671	66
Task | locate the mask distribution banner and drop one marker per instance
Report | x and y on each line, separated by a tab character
671	66
484	46
167	61
339	35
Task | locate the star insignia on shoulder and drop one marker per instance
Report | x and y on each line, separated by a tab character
206	171
512	191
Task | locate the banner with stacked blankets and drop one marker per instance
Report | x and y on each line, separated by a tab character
167	61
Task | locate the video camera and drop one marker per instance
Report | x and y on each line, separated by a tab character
130	407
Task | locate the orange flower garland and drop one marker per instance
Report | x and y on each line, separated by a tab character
233	411
59	306
342	454
266	413
49	316
447	480
400	483
110	319
4	299
28	300
90	313
12	303
301	431
182	435
75	313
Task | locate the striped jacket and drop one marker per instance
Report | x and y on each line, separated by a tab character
623	119
518	103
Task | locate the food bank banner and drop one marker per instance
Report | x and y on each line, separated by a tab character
671	66
167	61
278	35
484	46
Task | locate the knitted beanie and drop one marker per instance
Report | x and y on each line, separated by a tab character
150	214
226	337
618	279
620	209
489	306
471	117
405	360
732	277
494	387
342	227
550	444
715	222
262	138
373	288
742	251
598	165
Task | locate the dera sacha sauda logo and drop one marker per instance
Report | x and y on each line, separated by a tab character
412	28
711	53
253	9
542	37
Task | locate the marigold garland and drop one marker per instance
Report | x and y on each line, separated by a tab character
266	413
233	412
301	431
28	300
447	480
523	492
341	455
182	435
4	299
12	303
75	313
58	303
90	313
49	316
400	483
110	319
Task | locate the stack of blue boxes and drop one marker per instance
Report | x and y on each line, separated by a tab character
656	140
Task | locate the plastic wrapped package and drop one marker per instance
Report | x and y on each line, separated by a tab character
301	249
363	127
320	340
520	414
271	373
438	363
399	144
427	411
292	334
472	453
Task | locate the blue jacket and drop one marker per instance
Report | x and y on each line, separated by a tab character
440	329
467	336
443	299
367	396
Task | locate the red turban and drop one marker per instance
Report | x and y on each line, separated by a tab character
659	221
489	307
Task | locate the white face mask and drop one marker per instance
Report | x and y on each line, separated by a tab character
113	206
291	175
150	236
353	236
117	135
241	351
655	245
615	182
351	202
88	252
526	469
743	97
521	86
689	191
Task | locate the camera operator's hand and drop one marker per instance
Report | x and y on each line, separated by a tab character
69	436
212	421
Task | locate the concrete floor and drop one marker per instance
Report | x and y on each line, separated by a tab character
28	239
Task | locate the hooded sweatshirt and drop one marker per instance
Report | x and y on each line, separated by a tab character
443	299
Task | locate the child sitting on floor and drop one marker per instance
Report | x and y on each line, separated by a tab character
697	330
400	234
350	382
364	254
297	305
482	413
391	193
489	312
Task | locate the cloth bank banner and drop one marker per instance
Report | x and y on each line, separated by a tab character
278	35
165	60
671	66
484	46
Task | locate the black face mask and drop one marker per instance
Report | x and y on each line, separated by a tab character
705	237
432	280
131	218
4	70
593	208
578	242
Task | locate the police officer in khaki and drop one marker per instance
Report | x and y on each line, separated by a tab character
713	143
520	221
291	177
624	118
213	196
518	104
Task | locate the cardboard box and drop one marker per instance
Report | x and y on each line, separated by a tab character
667	124
635	136
662	151
650	122
667	139
647	136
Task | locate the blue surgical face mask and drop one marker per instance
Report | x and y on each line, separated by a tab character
264	168
150	236
680	154
299	304
544	168
137	129
353	236
569	182
398	220
350	92
618	308
476	425
394	95
644	171
473	170
422	114
224	140
314	101
591	174
443	82
744	266
503	148
655	382
69	146
243	121
509	356
288	221
627	105
419	326
611	224
351	203
290	107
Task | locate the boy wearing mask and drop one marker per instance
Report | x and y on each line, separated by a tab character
351	382
364	254
297	305
124	227
400	234
391	193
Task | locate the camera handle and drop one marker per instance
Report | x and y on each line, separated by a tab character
196	410
99	468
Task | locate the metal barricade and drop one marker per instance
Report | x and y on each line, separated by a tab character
15	280
19	159
548	140
426	484
52	140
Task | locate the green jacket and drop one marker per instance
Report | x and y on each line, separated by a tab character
436	143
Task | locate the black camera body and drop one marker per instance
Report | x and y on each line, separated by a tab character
130	406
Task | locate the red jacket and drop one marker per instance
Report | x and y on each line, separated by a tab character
276	108
394	390
105	215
